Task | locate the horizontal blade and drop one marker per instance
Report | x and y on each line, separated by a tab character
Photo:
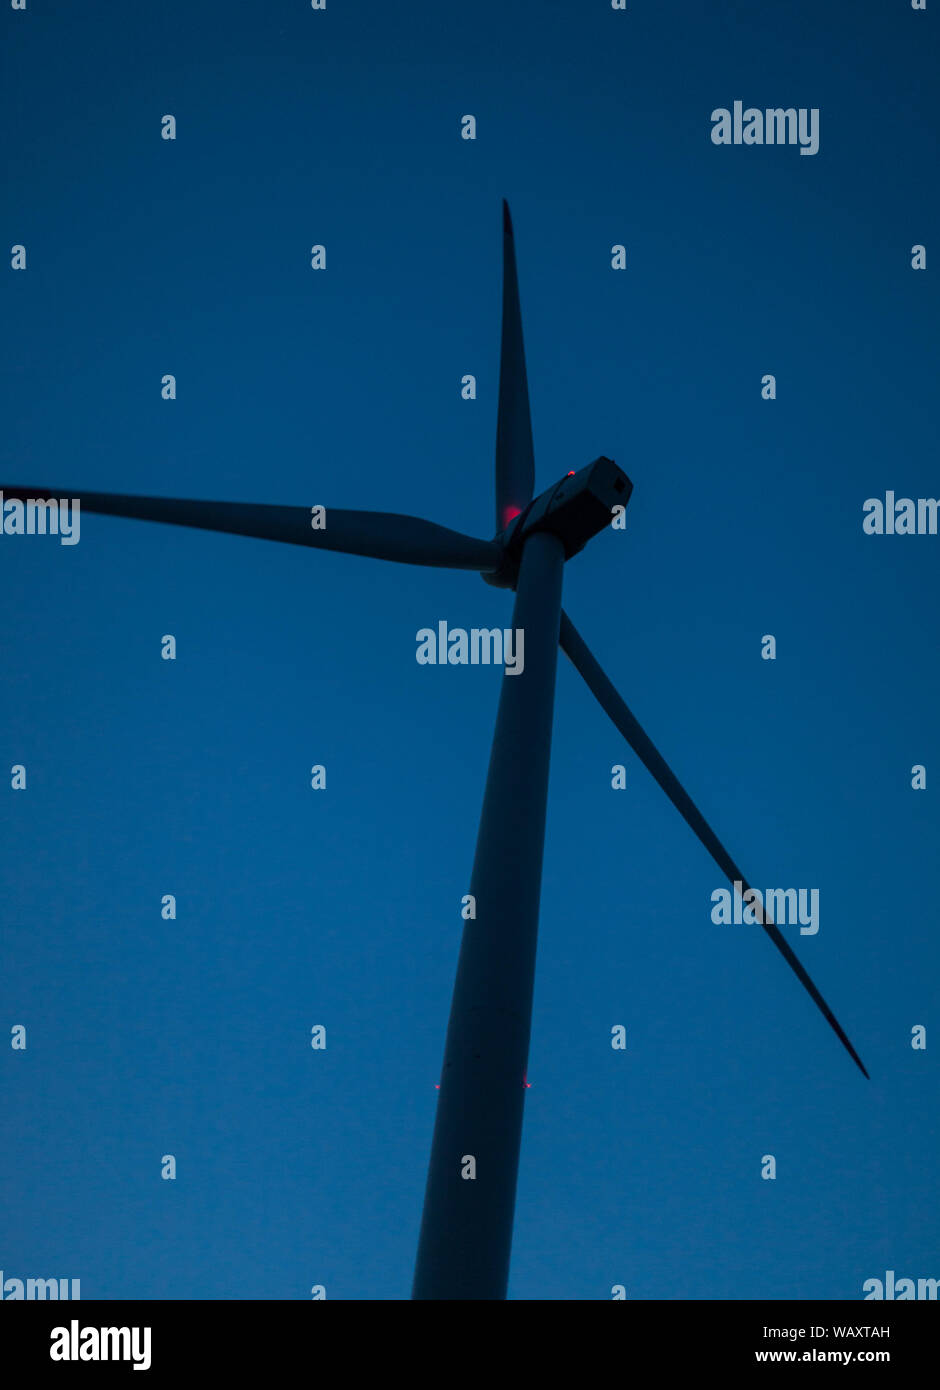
380	535
574	646
515	459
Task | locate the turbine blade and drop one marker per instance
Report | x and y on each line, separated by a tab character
515	459
574	646
380	535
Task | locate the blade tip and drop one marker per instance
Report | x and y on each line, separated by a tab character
507	219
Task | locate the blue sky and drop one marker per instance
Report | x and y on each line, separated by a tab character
341	907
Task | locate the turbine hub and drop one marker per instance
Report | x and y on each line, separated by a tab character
578	507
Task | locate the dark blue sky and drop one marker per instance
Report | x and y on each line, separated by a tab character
341	907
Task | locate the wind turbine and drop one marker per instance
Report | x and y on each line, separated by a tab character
466	1227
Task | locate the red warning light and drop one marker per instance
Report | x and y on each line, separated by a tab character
570	475
510	514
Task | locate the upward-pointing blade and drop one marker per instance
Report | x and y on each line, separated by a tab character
380	535
574	646
515	459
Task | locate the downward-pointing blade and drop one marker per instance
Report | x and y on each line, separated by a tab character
380	535
574	646
515	459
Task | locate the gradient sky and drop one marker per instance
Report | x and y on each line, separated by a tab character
341	907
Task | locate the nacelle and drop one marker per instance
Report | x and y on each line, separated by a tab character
578	507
